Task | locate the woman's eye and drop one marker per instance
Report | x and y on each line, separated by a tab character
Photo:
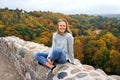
63	25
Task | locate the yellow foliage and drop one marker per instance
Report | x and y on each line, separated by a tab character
115	57
102	43
108	69
42	40
108	37
1	26
30	24
78	49
1	22
75	32
115	61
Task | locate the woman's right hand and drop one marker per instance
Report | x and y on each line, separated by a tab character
51	62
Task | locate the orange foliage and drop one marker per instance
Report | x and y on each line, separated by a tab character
27	38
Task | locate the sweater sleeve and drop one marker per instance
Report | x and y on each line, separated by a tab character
70	42
53	45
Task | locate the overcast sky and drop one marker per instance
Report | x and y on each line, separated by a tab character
65	6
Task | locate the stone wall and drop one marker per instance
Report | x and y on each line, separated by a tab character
17	63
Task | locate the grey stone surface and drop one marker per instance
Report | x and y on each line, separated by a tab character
61	75
17	63
75	71
94	74
70	78
81	75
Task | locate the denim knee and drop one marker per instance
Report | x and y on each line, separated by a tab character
57	50
40	58
35	55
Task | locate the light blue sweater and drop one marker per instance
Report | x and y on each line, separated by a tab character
65	42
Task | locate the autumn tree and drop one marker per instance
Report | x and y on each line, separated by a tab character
102	59
78	49
115	61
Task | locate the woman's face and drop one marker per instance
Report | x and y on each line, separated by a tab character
62	26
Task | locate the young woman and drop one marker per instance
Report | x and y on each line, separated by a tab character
62	48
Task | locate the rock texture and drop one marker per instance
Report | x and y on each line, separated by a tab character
17	63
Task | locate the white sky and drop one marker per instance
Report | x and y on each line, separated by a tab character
65	6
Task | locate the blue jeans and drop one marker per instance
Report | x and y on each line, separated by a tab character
57	56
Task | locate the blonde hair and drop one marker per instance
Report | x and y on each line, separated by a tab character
67	25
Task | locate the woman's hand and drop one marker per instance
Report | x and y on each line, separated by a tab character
51	62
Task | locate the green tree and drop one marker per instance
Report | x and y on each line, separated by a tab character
2	29
102	59
115	61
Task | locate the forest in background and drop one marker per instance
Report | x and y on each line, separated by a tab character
96	38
